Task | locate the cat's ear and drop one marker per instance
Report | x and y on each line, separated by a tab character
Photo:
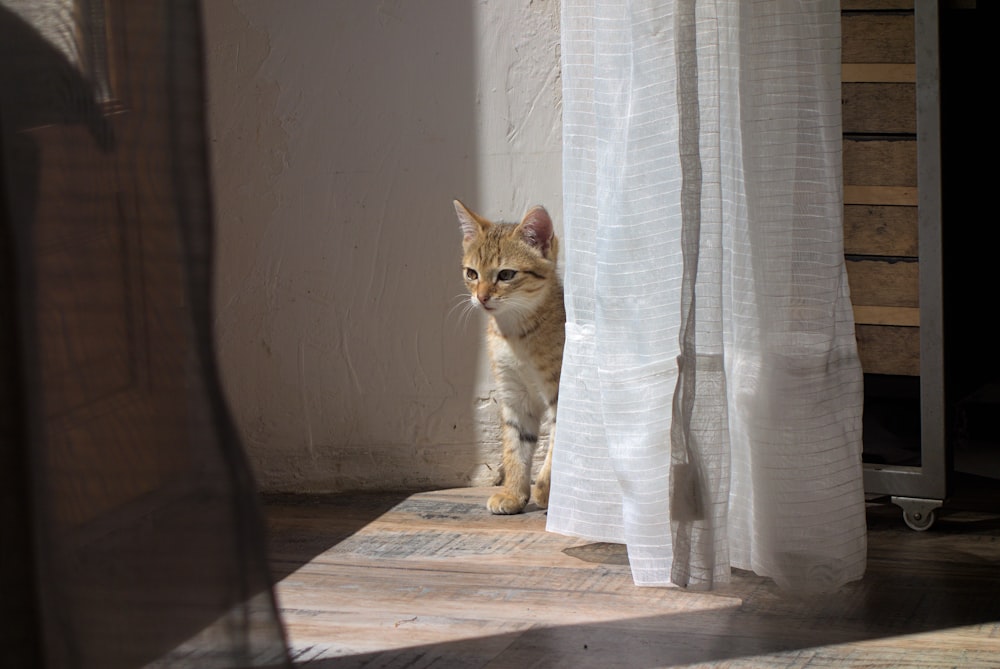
536	229
470	223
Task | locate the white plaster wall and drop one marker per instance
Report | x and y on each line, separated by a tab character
341	131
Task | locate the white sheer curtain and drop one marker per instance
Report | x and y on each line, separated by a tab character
710	408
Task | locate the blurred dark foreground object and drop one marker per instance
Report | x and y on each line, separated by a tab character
130	532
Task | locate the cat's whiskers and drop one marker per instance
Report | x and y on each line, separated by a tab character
466	307
518	306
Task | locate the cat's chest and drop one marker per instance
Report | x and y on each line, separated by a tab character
514	356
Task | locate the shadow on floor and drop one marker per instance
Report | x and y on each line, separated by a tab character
292	546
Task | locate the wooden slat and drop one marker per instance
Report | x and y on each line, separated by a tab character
887	195
854	5
886	349
879	108
880	230
905	316
877	162
877	38
878	72
883	284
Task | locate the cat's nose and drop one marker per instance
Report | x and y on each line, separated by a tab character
483	298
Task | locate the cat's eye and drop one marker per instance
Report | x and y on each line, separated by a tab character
506	274
471	274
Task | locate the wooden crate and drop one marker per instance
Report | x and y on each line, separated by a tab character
880	182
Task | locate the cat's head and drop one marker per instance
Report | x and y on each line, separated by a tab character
509	268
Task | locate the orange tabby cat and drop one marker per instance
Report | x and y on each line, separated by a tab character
510	271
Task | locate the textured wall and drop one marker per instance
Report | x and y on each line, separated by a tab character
341	131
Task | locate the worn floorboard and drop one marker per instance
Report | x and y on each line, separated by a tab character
431	579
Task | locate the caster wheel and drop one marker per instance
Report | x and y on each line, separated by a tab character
918	513
918	520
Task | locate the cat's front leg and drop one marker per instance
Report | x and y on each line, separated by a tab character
540	491
520	438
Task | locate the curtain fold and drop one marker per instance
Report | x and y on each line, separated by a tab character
131	534
710	408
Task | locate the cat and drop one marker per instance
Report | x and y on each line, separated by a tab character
511	273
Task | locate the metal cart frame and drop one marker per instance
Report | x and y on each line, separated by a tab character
920	490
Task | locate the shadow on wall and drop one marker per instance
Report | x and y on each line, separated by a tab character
341	133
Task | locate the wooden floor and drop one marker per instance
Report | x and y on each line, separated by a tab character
433	580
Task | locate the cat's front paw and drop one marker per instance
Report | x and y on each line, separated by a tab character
504	503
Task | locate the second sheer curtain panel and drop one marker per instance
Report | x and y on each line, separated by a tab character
710	408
